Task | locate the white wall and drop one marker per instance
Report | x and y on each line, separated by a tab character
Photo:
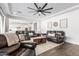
72	32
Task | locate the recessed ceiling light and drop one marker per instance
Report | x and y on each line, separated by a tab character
16	12
19	12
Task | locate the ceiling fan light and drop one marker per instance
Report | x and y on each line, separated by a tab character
39	12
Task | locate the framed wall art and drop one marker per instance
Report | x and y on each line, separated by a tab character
55	24
64	23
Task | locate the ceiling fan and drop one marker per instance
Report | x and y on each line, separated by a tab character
40	10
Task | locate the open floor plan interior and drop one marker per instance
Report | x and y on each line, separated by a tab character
39	29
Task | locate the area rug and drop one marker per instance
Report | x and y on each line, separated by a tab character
41	48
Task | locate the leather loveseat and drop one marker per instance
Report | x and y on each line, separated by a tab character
56	36
18	49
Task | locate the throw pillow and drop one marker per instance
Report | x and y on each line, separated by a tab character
11	38
30	34
53	34
21	37
59	34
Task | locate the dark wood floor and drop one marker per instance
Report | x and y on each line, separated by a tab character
66	49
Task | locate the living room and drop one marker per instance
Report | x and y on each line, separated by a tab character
27	29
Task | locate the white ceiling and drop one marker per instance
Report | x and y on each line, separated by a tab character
22	7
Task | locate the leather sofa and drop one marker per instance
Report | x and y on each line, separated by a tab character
18	49
56	36
27	34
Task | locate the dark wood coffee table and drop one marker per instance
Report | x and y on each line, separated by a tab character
39	40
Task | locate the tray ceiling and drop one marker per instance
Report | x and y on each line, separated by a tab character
21	10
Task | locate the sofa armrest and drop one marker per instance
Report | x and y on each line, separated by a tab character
30	45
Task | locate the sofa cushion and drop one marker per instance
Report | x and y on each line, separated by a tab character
58	33
21	37
8	50
12	38
18	52
3	41
51	34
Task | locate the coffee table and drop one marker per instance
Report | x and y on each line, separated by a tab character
39	40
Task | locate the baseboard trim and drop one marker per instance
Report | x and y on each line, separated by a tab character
72	42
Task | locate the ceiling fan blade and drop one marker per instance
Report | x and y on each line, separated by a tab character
35	13
47	12
44	6
48	9
31	8
43	13
36	5
31	11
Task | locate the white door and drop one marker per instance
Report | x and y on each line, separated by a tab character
35	26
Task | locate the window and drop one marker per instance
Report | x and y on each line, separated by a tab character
0	24
1	21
